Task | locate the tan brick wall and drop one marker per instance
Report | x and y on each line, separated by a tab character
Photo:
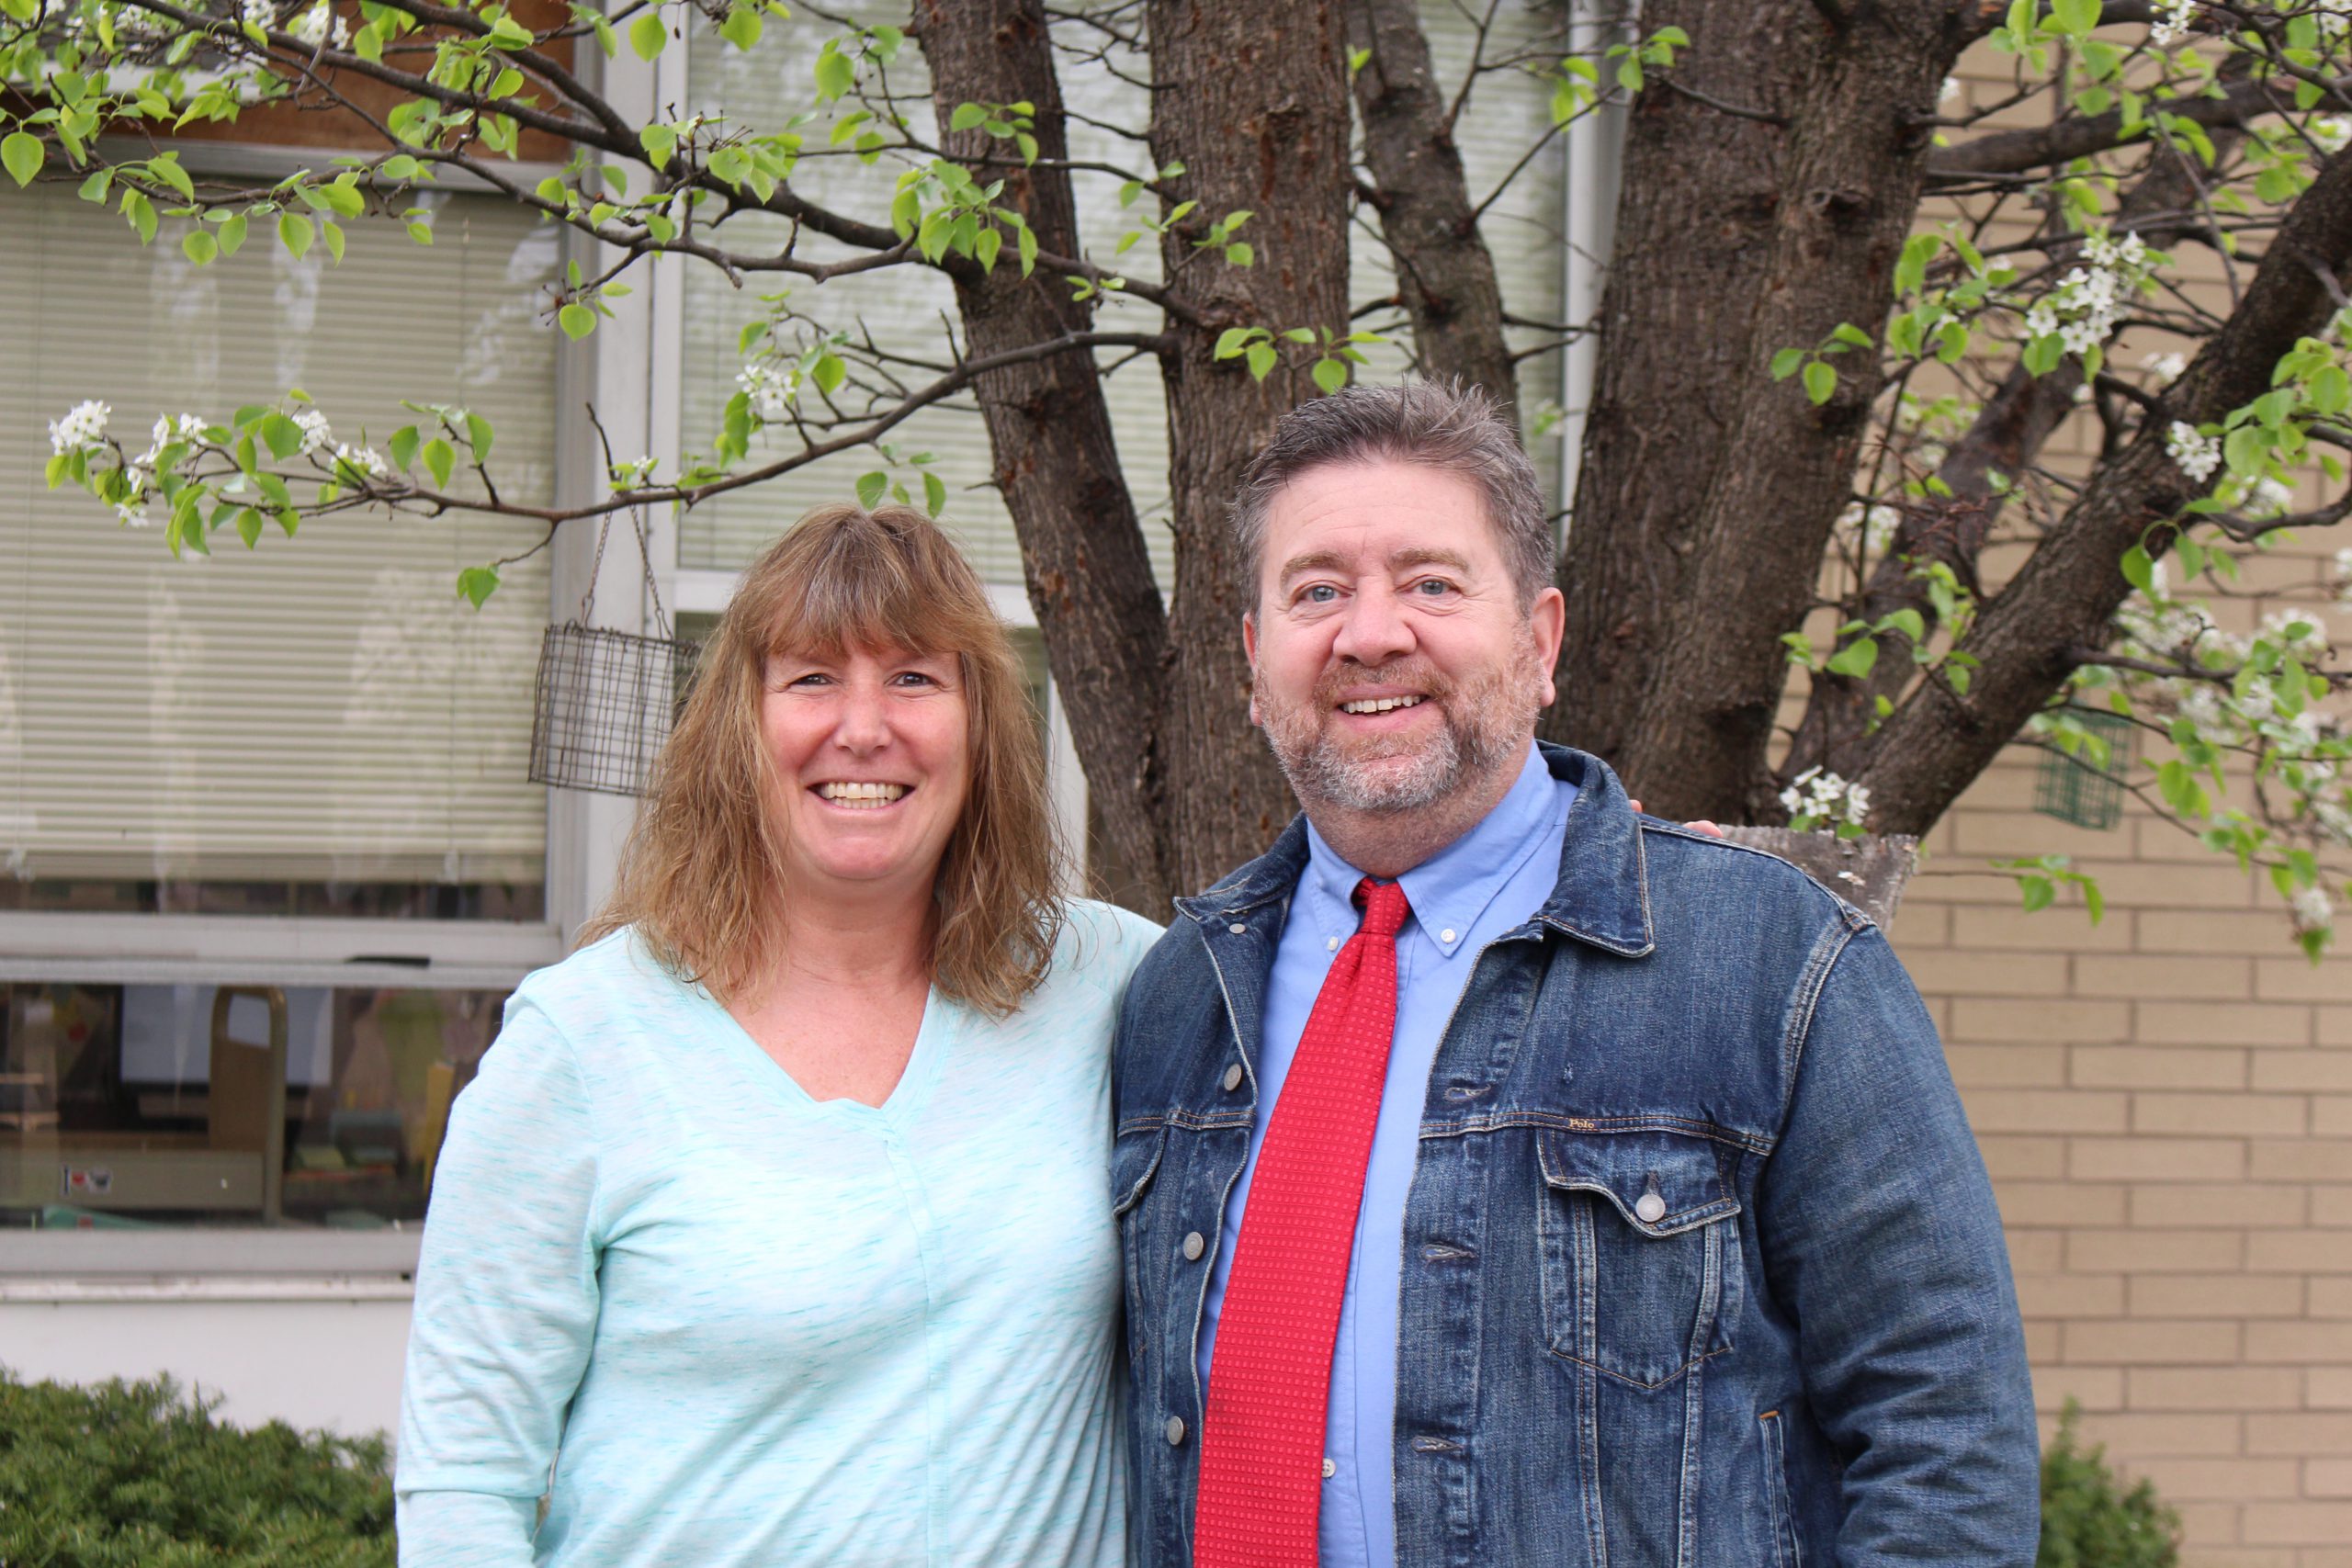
2164	1101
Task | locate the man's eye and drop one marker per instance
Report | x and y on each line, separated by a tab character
1319	594
1433	587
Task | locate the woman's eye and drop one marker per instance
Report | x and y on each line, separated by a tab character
913	678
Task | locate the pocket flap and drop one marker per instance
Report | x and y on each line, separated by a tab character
1663	1183
1133	1159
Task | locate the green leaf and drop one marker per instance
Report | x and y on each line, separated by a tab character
1820	381
440	461
646	36
141	213
1260	358
248	527
834	73
296	232
1231	341
1027	240
1851	335
577	322
829	373
200	246
331	233
1785	363
281	435
743	27
870	488
2076	16
2040	893
1330	373
1907	622
935	493
233	235
478	584
403	446
2139	570
1240	254
2330	391
479	434
1856	658
967	116
23	155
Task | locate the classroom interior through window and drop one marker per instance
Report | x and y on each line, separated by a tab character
138	1105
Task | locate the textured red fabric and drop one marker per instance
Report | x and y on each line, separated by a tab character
1270	1376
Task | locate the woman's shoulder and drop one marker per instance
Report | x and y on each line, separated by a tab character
614	981
1099	946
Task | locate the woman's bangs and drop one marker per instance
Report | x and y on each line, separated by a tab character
864	597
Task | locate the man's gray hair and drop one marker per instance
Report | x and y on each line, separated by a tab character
1439	424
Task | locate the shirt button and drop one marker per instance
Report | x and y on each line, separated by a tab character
1237	929
1175	1430
1194	1245
1331	1468
1649	1208
1332	945
1233	1078
1446	935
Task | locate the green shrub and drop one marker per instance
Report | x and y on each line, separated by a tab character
2088	1520
139	1475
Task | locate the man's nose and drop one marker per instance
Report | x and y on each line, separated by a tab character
1376	630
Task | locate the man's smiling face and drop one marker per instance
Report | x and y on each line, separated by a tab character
1395	667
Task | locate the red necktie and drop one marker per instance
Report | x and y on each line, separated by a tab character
1270	1376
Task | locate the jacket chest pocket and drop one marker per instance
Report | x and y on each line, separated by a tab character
1640	1252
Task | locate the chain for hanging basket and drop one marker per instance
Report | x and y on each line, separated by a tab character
606	698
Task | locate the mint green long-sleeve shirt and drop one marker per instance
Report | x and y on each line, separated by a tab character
718	1322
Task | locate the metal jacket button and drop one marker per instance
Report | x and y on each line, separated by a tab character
1233	1078
1194	1245
1175	1430
1649	1209
1237	929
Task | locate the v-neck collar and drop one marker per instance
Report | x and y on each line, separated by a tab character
900	1109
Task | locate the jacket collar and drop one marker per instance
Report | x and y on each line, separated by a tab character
1601	896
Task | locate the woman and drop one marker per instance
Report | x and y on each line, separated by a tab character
779	1208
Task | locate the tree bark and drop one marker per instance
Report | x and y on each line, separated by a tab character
1253	101
2007	435
2063	603
1699	202
1082	549
1445	276
1851	176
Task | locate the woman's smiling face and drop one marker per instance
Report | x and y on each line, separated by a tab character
872	753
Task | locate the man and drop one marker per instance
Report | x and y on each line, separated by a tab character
1505	1177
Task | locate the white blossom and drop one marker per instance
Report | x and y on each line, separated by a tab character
1949	91
84	424
2173	18
363	459
2329	132
314	27
2082	309
1873	526
2164	369
2313	911
1819	798
316	437
2195	455
772	390
2302	632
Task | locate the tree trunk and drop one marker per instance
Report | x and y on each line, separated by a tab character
1082	549
1445	276
1849	188
1253	101
1699	202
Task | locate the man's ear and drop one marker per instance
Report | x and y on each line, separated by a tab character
1548	619
1249	652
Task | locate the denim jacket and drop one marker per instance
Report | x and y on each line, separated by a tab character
1700	1265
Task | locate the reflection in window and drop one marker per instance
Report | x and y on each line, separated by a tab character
131	1105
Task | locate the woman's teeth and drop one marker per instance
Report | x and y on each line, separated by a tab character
860	796
1378	705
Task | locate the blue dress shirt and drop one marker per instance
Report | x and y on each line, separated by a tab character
1487	882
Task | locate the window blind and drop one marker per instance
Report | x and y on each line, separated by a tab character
903	307
323	708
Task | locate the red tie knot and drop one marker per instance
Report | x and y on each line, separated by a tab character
1383	907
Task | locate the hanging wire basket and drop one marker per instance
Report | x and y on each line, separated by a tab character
2086	786
606	698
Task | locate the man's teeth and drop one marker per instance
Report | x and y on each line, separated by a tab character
861	794
1378	705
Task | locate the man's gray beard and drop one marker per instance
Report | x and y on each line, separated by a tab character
1487	724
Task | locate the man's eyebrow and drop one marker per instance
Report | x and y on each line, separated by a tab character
1423	556
1314	561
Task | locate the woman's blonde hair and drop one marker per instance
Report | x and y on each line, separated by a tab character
701	878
